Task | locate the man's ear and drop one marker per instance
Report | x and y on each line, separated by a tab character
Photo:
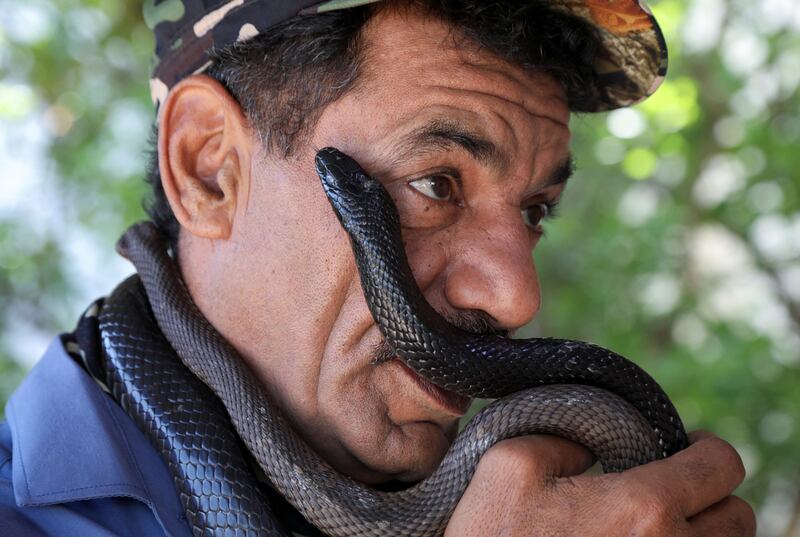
204	149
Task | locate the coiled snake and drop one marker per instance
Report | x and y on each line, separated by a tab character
569	388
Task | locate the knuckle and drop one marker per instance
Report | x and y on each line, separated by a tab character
512	459
743	519
728	458
652	507
658	521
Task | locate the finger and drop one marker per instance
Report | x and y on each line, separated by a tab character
731	517
699	476
544	457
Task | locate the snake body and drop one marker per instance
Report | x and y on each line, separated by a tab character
569	388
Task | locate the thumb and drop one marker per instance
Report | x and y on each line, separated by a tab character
545	456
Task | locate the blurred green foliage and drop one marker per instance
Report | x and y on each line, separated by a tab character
679	243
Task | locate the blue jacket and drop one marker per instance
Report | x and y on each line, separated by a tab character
73	464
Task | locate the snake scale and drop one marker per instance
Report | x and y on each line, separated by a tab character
568	388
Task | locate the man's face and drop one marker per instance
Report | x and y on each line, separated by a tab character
469	149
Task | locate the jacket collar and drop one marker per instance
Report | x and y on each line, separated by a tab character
72	442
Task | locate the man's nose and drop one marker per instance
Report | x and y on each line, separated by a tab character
492	270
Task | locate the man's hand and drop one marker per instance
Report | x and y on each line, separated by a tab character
531	486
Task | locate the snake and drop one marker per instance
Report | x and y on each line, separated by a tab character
574	389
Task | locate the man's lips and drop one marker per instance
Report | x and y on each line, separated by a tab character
449	401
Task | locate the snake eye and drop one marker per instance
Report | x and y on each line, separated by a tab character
438	187
534	214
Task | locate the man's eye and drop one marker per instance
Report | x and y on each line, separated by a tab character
437	187
534	214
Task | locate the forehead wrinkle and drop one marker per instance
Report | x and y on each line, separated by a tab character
562	170
508	130
546	109
521	85
537	82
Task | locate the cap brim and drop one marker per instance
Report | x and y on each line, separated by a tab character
631	64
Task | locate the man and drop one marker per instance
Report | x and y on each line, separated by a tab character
461	110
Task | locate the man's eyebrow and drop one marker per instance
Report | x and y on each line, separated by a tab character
562	173
442	134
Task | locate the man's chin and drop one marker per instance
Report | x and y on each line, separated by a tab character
411	453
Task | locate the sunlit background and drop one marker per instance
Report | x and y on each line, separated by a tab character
678	244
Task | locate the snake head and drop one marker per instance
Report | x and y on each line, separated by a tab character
355	196
339	170
342	176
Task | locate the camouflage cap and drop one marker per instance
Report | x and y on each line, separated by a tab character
631	65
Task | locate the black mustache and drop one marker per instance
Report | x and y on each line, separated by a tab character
476	322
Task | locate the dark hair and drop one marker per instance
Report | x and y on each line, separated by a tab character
285	78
